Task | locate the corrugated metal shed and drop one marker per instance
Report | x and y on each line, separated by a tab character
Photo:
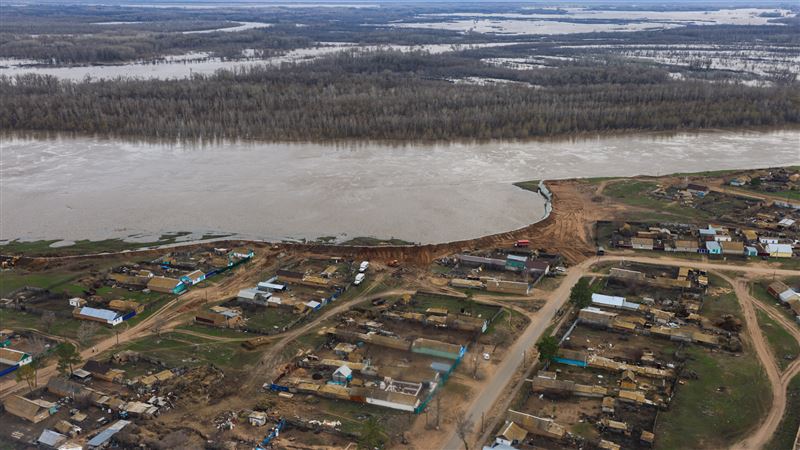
105	435
51	439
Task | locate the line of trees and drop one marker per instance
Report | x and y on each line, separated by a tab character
390	95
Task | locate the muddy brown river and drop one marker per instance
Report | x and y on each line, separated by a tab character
94	188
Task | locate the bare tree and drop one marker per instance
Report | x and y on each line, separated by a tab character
501	337
48	320
158	327
27	373
37	341
464	426
86	332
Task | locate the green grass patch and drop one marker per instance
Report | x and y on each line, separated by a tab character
586	430
782	343
637	193
548	283
216	332
152	307
716	307
68	328
422	302
54	281
43	248
729	398
530	185
270	318
352	414
366	241
785	195
176	349
787	430
112	293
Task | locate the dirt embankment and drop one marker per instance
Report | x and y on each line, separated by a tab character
566	231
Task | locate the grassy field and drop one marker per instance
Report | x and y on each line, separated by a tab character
68	328
216	332
784	195
11	281
729	398
782	343
453	305
43	247
38	248
530	185
787	430
715	307
635	193
270	318
176	349
367	241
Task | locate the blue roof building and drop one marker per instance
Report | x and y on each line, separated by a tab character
713	248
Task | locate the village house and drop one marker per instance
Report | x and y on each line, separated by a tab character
13	357
642	243
192	278
166	285
33	411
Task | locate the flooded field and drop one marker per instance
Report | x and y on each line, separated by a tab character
582	20
77	188
183	66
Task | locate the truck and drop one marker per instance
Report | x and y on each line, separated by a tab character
359	278
523	243
363	267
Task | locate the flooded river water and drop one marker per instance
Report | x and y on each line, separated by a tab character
78	188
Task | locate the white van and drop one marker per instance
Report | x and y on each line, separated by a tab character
364	266
359	278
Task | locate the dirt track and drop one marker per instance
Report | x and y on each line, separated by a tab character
779	381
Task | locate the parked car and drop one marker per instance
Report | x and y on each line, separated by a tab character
364	266
359	278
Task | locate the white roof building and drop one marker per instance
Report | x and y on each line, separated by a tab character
788	294
613	302
106	315
779	249
249	294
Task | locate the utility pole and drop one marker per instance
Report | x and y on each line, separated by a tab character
438	409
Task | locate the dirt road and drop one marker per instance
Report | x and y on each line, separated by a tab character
779	381
760	436
522	349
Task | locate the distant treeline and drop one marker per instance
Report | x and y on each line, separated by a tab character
390	95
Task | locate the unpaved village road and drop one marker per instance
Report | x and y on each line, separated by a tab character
491	392
779	381
485	399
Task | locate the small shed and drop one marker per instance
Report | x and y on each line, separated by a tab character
50	438
342	375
